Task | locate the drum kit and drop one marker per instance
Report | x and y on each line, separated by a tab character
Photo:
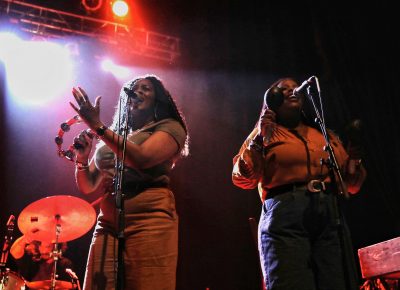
53	219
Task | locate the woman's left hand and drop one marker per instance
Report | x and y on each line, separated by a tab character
267	123
355	175
89	114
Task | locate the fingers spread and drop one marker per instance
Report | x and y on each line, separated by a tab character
83	94
74	107
97	102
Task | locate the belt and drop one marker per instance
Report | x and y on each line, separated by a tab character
311	186
135	188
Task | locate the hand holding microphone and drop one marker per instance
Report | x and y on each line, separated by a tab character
83	146
273	99
267	125
84	140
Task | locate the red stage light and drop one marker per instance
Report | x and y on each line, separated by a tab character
92	5
120	8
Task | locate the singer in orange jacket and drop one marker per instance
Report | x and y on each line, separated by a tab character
299	243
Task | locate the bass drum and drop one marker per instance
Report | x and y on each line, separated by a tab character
12	281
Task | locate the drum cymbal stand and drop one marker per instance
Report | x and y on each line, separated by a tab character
56	253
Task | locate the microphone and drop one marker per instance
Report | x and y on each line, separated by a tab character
305	85
79	146
273	98
130	93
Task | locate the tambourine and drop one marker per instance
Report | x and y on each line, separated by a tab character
65	127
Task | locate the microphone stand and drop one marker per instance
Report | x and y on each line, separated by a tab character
119	202
338	186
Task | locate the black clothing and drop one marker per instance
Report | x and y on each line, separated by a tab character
40	270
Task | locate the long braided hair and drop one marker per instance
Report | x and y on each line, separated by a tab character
165	107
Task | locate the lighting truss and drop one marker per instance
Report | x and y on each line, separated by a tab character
52	23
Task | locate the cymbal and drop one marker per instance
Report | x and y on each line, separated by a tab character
39	219
46	284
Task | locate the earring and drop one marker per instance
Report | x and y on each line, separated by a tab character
155	112
303	114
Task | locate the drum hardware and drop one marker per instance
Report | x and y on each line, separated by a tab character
47	284
11	281
56	219
66	216
8	279
7	241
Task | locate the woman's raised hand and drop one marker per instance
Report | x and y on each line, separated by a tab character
267	123
89	113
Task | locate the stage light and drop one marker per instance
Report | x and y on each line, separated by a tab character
120	8
118	71
92	5
37	72
9	42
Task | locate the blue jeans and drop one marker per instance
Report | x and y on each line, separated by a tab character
300	246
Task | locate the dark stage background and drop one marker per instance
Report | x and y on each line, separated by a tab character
232	52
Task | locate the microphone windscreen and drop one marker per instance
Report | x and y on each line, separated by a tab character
130	93
273	98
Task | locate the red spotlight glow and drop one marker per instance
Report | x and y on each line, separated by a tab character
120	8
92	5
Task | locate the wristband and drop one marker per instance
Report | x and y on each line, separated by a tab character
81	166
101	130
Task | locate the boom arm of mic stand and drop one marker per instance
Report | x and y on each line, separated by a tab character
333	166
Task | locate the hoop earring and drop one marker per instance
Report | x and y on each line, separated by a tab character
155	112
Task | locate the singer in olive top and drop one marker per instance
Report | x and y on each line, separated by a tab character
157	139
299	243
